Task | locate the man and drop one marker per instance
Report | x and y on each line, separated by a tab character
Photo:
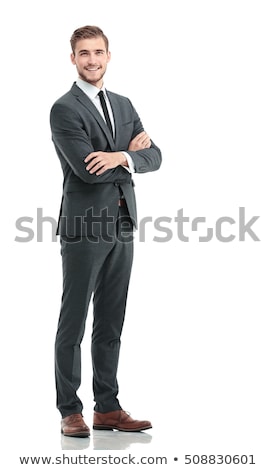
100	142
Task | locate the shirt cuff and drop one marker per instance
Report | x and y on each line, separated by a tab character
131	167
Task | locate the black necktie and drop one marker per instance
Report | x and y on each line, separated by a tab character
105	110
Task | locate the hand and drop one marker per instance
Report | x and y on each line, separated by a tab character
99	162
140	142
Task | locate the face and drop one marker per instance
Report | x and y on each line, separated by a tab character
91	59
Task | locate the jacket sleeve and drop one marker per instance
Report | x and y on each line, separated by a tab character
145	160
73	144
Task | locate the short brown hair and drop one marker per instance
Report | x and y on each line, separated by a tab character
86	32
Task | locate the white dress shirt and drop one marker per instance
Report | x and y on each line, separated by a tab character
92	92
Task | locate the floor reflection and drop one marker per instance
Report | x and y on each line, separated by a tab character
106	440
117	440
74	443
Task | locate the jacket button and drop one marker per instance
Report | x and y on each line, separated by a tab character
116	184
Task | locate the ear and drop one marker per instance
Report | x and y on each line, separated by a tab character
72	57
108	56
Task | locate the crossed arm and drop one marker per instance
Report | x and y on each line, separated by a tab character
99	162
74	147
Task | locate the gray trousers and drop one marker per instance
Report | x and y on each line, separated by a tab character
99	269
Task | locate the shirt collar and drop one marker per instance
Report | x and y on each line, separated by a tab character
90	90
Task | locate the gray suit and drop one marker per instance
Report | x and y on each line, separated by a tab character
96	242
78	129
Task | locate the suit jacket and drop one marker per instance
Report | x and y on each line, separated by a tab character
77	130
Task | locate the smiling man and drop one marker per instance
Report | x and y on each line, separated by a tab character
91	60
100	141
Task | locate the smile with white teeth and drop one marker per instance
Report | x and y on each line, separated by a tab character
92	69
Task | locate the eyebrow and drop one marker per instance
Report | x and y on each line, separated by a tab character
86	50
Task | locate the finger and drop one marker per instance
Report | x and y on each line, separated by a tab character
96	168
139	137
101	171
103	168
145	143
146	140
91	164
90	156
141	134
95	161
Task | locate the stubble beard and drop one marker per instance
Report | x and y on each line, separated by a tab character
92	81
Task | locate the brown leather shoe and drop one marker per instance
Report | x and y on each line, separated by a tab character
74	426
119	420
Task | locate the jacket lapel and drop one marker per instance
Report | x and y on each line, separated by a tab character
84	99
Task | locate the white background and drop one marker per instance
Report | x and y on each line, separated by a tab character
198	351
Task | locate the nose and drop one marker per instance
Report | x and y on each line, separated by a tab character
90	59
